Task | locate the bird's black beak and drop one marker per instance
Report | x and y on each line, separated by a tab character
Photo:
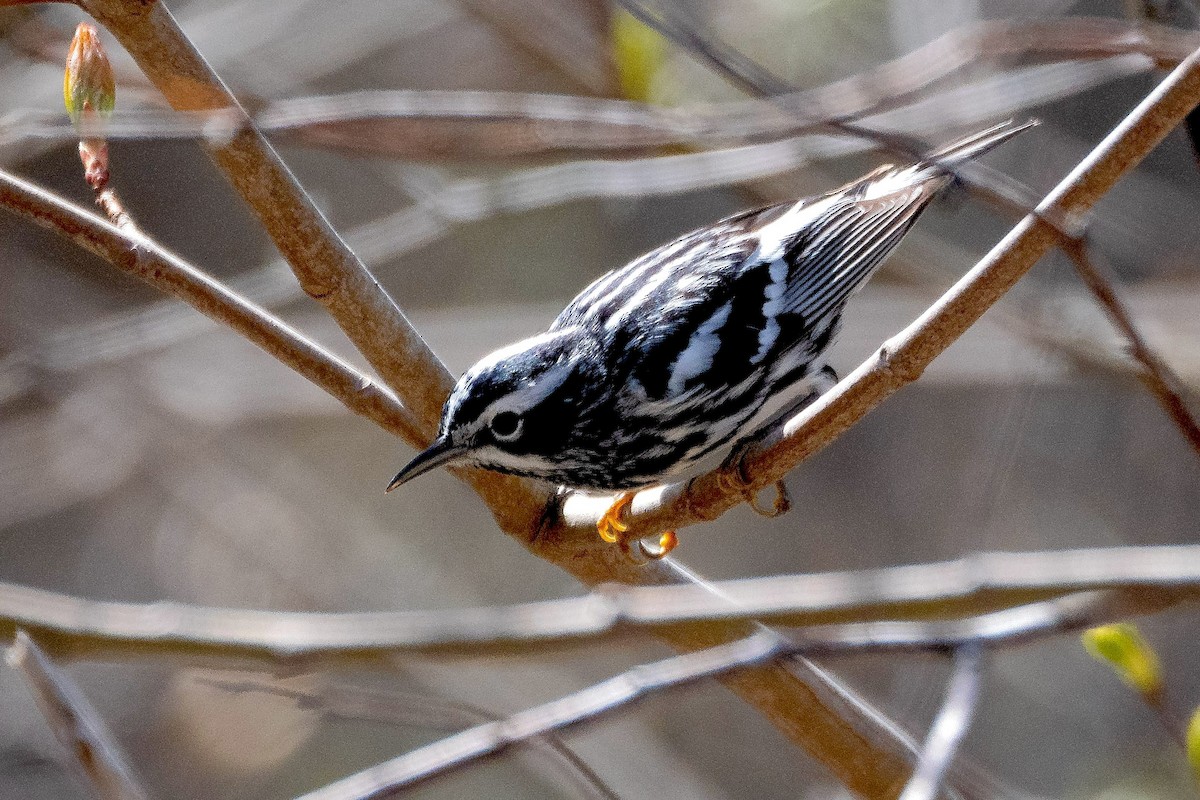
442	451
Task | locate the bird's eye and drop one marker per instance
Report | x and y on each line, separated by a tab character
505	425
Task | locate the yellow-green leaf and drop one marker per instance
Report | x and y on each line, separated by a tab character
1193	743
88	82
638	54
1131	657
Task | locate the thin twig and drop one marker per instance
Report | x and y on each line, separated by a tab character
346	702
1155	374
462	749
940	601
480	124
949	727
436	211
76	725
143	258
152	328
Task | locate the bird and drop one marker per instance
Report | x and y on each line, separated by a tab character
672	364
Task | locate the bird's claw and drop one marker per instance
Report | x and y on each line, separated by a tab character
612	523
667	542
613	529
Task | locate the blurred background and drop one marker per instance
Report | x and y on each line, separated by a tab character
146	454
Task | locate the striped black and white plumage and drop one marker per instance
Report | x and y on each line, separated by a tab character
662	368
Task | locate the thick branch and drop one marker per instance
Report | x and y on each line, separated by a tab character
324	265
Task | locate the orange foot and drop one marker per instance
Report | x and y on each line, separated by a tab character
612	528
611	525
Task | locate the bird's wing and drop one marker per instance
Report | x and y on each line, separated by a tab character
713	308
846	238
711	249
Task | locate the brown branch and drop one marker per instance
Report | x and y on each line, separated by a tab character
905	356
465	748
326	268
141	257
1155	373
947	595
746	74
76	725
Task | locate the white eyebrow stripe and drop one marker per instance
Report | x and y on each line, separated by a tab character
496	356
528	397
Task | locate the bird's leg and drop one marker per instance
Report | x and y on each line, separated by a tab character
734	477
613	528
824	380
781	505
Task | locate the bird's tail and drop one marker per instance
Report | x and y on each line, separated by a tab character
939	168
972	147
862	223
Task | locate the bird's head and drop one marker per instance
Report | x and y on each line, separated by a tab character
511	412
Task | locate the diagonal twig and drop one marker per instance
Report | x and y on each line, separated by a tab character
76	725
949	726
750	77
414	709
140	256
1155	374
462	749
902	359
324	265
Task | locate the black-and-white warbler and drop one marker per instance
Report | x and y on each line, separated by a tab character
665	367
